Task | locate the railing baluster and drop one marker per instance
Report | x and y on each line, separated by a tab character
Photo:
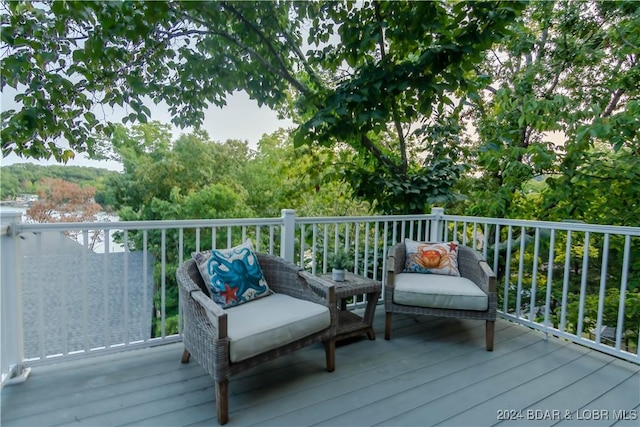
105	282
85	293
366	250
455	231
547	306
603	284
126	287
145	275
180	245
475	236
583	285
376	236
623	292
163	283
325	248
520	271
302	245
464	233
565	282
534	276
64	311
347	235
496	250
271	239
314	249
507	273
394	234
356	248
485	241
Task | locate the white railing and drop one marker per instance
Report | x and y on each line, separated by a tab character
61	299
573	280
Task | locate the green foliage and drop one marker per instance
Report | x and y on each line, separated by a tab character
25	178
394	106
563	74
196	178
382	81
341	259
610	306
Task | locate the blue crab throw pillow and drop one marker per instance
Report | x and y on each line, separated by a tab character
233	275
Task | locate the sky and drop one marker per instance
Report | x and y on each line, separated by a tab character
240	119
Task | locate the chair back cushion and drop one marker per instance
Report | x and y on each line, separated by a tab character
431	258
233	275
268	323
436	291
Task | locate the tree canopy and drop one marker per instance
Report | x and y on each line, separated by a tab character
386	78
571	70
409	97
28	178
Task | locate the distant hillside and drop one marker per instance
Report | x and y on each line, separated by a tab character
24	178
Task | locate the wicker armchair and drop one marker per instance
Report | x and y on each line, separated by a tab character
471	265
207	329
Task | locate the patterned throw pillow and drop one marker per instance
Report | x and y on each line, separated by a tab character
233	275
431	258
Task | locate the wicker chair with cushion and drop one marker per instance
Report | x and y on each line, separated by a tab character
471	295
300	311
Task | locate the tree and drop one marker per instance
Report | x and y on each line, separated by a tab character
569	69
26	177
378	76
9	186
279	176
63	201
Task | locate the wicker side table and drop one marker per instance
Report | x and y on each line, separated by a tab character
349	323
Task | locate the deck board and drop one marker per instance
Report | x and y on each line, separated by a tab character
433	371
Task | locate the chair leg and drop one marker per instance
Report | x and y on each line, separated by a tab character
387	326
222	401
330	354
185	356
490	332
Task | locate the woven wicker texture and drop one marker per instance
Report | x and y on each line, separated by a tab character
204	327
471	265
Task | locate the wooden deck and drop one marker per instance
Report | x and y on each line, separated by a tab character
432	372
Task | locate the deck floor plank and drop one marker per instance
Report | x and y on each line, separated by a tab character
471	394
537	396
433	371
382	360
449	376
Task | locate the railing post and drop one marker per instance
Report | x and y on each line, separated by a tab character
288	235
11	305
437	225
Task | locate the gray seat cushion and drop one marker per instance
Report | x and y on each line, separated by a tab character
271	322
438	291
